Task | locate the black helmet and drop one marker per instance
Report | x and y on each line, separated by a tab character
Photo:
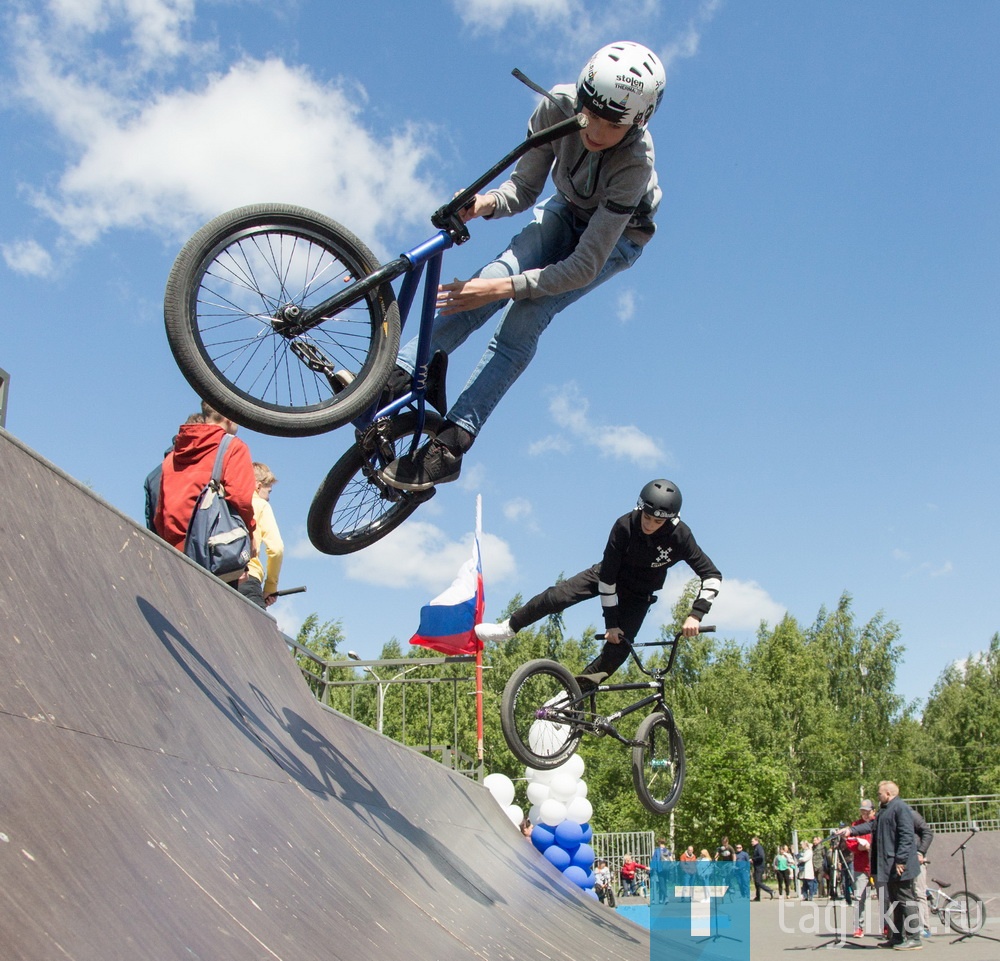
661	498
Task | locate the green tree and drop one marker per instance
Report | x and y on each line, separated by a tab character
962	724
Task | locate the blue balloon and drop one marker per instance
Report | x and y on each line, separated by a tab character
583	857
542	836
590	892
577	875
588	834
556	856
591	880
569	834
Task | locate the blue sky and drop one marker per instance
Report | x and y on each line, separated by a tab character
807	347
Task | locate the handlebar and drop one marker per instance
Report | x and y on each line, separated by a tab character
289	590
704	629
444	216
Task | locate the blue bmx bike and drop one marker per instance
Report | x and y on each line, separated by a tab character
285	322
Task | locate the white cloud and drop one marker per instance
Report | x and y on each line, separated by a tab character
740	606
27	257
625	308
493	15
571	411
419	554
169	158
517	509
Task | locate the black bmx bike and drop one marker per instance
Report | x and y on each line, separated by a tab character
546	710
285	322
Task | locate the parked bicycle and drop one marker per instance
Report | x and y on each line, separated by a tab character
964	911
544	714
284	321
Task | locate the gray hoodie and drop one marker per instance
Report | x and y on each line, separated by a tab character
612	192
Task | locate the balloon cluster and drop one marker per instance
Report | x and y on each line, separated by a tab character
560	814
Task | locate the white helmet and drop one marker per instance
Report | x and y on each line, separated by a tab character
623	82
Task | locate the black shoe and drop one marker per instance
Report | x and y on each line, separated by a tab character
432	464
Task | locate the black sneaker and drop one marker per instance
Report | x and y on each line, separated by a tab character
432	464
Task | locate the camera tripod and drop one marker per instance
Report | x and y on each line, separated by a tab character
845	872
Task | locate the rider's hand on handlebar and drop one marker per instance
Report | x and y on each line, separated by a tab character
614	635
462	295
482	205
691	627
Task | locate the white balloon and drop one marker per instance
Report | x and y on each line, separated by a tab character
545	738
515	814
501	787
574	765
581	788
579	810
552	812
542	777
563	785
535	814
537	792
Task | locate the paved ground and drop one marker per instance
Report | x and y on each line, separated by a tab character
781	928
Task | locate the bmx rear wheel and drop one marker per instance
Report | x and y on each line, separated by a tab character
353	508
537	725
230	295
658	763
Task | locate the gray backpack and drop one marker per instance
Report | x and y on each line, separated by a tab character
217	538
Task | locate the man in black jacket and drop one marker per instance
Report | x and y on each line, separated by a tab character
643	545
894	857
759	861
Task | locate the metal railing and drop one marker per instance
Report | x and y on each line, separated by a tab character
954	815
325	677
613	847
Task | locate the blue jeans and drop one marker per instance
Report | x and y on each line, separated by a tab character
549	238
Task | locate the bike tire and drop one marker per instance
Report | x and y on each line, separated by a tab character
226	287
971	914
658	763
353	509
537	742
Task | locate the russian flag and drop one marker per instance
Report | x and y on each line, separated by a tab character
448	623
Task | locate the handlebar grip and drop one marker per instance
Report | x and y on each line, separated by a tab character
707	629
289	590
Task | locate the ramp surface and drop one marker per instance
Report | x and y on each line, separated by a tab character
172	790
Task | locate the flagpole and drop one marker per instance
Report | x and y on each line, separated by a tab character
479	651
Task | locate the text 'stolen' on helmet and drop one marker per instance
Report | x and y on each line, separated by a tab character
622	83
660	498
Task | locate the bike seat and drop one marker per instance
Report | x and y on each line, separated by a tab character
941	884
594	679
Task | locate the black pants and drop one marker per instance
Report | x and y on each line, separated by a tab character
758	883
632	610
251	588
902	910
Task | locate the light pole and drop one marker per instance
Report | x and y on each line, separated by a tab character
381	686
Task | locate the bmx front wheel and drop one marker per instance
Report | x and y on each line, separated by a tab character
535	717
230	297
966	913
353	507
658	763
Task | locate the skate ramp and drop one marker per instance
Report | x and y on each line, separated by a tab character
173	791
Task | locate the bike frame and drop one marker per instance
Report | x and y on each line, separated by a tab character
606	724
421	262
